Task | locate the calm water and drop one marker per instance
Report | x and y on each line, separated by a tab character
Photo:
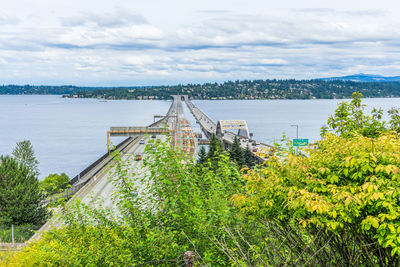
69	134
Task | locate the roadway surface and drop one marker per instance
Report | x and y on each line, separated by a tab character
103	188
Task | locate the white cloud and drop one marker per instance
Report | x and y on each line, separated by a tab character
8	19
109	19
194	42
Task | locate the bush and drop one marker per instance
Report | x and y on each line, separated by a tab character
54	183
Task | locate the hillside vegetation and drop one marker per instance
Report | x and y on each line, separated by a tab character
246	89
257	89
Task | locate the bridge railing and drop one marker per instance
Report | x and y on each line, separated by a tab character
120	146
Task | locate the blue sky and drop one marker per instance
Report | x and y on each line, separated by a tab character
129	42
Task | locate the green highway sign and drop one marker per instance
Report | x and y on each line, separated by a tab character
300	142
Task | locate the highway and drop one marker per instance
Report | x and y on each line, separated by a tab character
103	188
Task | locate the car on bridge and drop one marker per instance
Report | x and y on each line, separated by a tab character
138	157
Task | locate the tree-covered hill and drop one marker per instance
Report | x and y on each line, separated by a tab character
42	89
246	89
257	89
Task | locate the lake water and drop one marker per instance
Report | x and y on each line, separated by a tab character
69	134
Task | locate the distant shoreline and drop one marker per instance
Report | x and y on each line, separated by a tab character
232	99
231	90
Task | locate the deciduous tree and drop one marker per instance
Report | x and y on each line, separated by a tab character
54	183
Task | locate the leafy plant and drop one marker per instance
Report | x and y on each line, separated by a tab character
54	183
350	119
347	188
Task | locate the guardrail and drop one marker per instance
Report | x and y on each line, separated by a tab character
120	146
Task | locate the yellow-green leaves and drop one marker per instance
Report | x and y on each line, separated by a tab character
370	221
343	186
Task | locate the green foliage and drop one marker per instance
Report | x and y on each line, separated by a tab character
192	200
346	187
54	183
202	155
215	146
394	123
25	155
177	206
349	120
236	153
20	195
249	159
215	149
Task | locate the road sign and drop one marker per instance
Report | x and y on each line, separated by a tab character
300	142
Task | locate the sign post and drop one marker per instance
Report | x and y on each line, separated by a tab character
300	142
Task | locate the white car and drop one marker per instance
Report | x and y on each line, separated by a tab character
141	141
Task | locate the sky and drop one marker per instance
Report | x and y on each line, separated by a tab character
155	42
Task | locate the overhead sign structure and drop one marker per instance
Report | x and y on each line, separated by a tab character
300	142
240	125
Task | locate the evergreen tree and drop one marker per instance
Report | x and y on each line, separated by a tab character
215	149
202	155
24	154
236	153
215	146
20	195
248	157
